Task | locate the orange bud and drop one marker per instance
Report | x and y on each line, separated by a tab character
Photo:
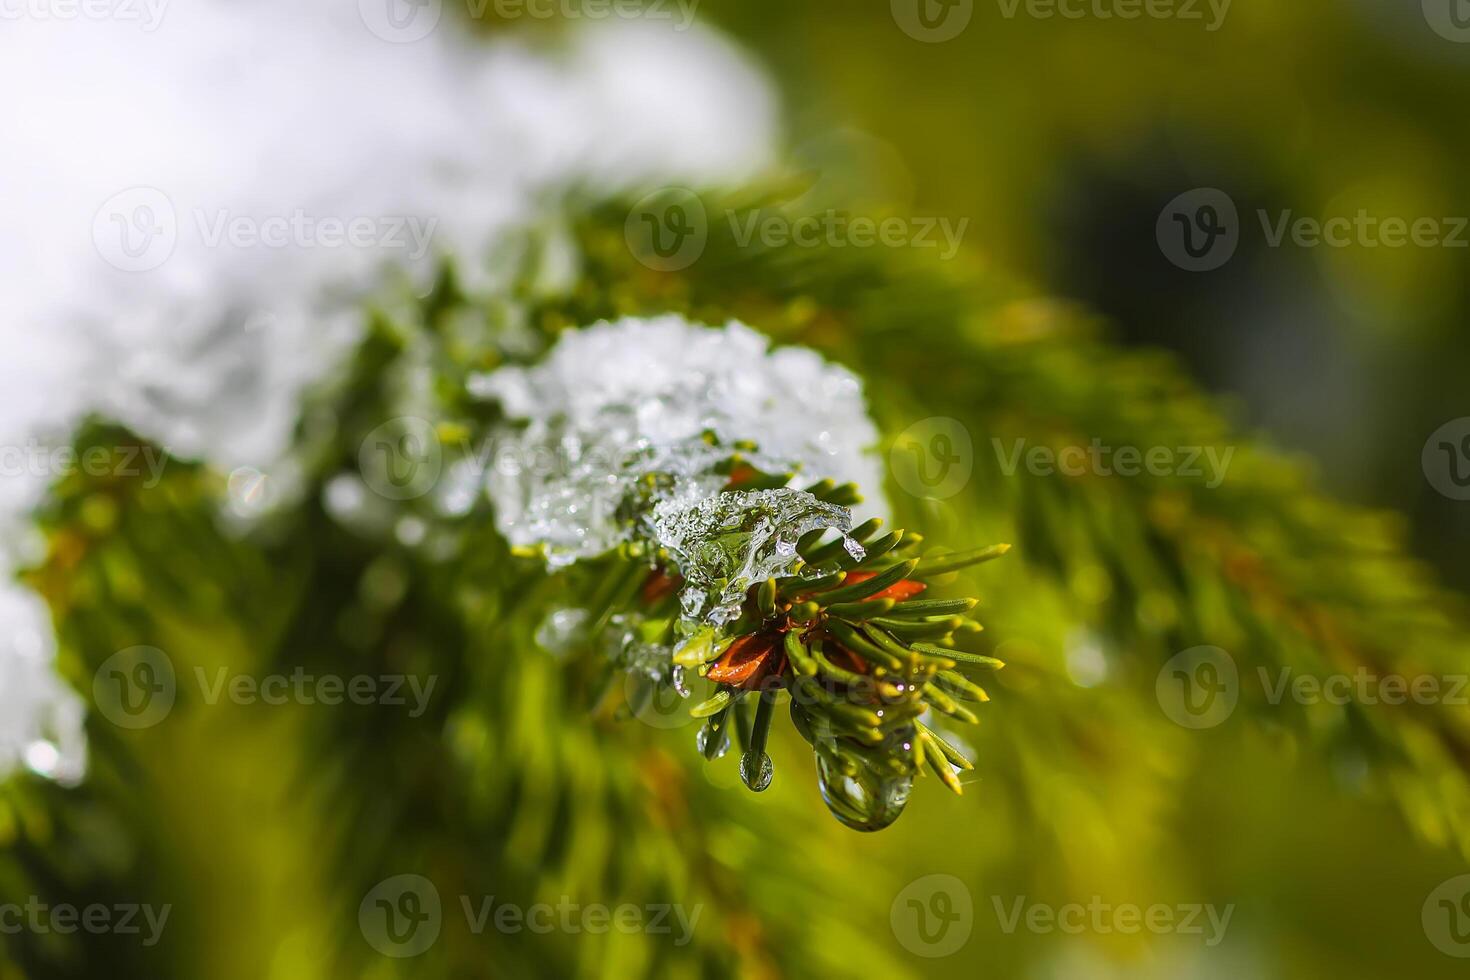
748	661
898	591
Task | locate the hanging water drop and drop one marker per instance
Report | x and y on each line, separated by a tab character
864	799
712	741
757	774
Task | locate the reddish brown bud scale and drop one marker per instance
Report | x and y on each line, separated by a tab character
659	585
844	658
898	591
742	473
749	661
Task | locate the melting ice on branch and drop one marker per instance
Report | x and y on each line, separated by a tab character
623	428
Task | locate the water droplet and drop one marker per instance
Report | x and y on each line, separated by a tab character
756	775
562	630
866	800
251	492
724	543
712	742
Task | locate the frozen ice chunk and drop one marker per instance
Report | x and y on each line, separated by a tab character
669	381
626	415
724	544
580	494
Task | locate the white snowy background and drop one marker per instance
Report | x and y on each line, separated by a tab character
131	140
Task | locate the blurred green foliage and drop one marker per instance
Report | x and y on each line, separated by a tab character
1061	140
1325	827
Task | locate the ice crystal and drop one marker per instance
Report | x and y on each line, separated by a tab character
629	645
624	426
725	543
668	381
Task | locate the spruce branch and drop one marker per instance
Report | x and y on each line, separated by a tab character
1263	563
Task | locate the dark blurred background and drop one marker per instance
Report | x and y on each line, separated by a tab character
1062	140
